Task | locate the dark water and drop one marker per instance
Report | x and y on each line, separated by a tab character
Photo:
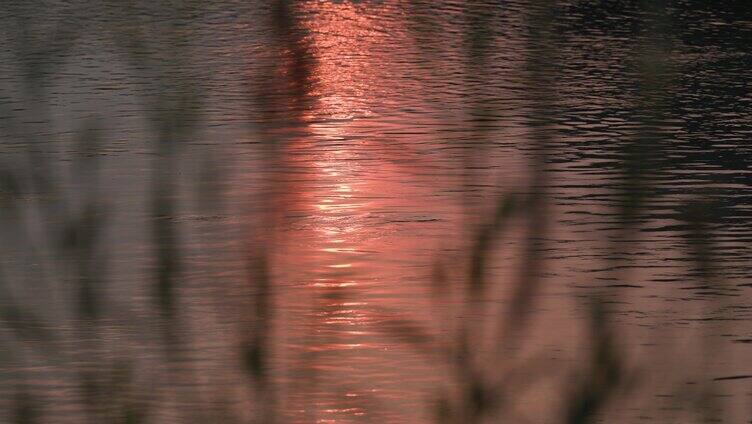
252	211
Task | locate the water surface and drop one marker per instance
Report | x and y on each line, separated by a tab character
303	178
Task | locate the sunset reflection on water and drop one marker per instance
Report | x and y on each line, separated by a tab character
340	248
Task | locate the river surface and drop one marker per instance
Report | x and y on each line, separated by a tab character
311	180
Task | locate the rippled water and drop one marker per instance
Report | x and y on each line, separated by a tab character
299	180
